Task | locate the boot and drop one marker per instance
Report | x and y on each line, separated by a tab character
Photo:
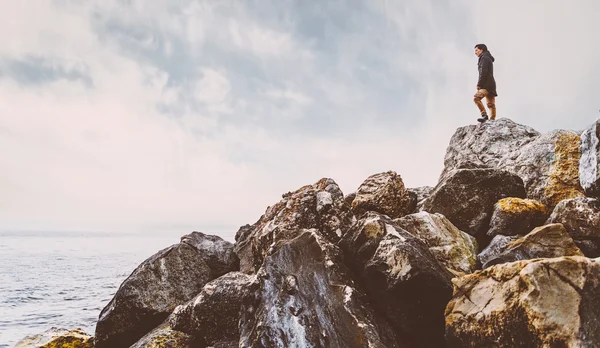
483	118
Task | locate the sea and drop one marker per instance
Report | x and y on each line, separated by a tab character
64	279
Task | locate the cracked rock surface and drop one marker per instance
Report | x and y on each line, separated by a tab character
384	193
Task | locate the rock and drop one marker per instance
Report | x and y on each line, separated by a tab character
543	242
214	314
404	280
383	193
304	297
498	244
533	303
145	299
589	177
589	248
319	206
580	216
467	197
421	194
165	337
56	338
349	198
515	216
453	248
216	252
548	164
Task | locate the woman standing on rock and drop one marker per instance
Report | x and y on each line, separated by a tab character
486	85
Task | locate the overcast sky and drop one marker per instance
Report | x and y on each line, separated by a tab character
196	115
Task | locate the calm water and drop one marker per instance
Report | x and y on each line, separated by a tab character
64	279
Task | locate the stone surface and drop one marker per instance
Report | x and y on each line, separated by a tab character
589	175
304	297
165	337
145	299
543	242
421	194
58	338
403	278
213	316
383	193
454	249
498	244
216	252
534	303
320	206
467	197
580	216
517	216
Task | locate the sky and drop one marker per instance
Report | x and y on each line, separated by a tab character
181	115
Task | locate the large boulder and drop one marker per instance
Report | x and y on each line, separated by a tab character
403	278
533	303
543	242
213	316
145	299
56	337
383	193
305	297
321	206
516	216
453	248
581	218
589	175
164	336
216	252
498	244
467	197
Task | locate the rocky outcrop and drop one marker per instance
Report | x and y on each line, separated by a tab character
145	299
589	175
165	337
216	252
320	206
57	338
516	216
305	297
403	278
534	303
213	316
383	193
453	248
543	242
467	197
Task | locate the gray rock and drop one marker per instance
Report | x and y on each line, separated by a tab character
216	252
589	248
498	244
589	175
516	216
421	194
165	337
304	297
580	216
145	299
543	242
383	193
467	197
319	206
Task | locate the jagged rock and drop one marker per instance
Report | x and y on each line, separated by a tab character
214	314
589	177
467	197
145	299
216	252
453	248
165	337
56	337
548	164
534	303
498	244
403	278
516	216
383	193
543	242
304	297
319	206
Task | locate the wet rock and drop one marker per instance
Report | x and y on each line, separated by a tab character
589	175
383	193
56	337
304	297
165	337
498	244
145	299
543	242
467	197
319	206
534	303
516	216
216	252
453	248
214	314
403	278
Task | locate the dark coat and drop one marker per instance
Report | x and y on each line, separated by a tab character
486	73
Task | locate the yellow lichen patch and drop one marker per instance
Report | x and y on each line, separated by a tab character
72	339
515	206
563	180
